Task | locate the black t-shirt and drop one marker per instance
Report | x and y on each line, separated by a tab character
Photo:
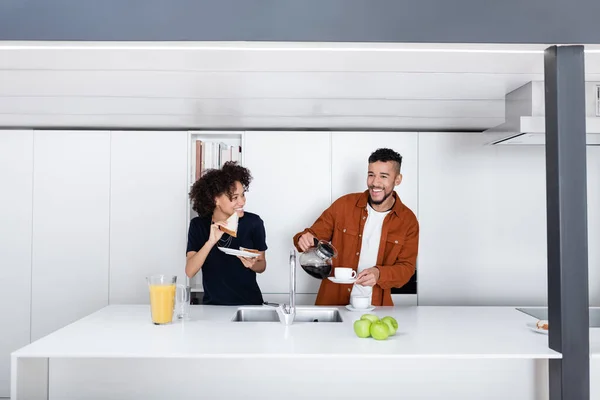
225	279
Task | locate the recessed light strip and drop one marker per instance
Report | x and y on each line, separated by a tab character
267	49
290	47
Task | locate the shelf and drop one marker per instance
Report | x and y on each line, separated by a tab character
217	147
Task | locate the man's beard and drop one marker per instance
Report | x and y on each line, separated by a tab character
376	203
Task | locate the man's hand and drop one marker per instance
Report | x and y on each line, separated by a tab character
306	241
368	277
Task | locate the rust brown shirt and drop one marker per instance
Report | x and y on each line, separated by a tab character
342	224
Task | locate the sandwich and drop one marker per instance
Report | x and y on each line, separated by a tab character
232	225
250	250
542	324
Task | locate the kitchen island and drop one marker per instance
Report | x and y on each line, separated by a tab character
437	353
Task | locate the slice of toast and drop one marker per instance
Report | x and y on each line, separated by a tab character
542	324
232	225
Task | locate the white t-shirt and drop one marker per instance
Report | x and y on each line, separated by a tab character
370	248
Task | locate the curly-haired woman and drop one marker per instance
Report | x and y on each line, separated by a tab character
227	280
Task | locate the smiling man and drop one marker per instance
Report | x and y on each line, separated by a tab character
374	233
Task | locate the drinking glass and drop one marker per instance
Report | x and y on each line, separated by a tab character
162	298
184	296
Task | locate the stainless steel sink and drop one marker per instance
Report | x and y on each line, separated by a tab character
317	314
248	314
303	314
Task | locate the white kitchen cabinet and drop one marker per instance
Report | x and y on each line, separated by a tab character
483	222
593	200
291	188
148	207
70	227
16	175
350	153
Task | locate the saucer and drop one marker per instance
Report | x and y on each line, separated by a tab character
345	281
350	308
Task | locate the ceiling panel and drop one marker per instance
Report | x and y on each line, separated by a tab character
177	84
251	107
229	122
265	85
266	60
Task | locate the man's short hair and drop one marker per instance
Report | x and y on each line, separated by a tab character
385	155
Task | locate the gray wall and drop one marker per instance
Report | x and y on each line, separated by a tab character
466	21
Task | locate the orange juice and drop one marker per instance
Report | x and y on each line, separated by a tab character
162	303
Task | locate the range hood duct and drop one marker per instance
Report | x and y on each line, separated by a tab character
525	118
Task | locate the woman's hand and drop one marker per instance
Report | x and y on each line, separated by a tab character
215	232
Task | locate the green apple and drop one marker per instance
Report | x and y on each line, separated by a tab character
362	328
370	317
379	330
391	323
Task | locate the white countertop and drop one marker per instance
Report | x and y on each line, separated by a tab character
125	331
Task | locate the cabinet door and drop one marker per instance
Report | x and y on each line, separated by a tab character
70	227
593	199
148	227
350	153
291	188
16	175
483	224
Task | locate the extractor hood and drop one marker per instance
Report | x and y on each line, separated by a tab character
525	119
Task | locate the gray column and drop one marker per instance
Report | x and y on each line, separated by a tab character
566	196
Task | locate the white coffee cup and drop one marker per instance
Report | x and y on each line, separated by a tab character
360	302
344	274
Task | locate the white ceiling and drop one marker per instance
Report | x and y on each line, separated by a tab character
265	85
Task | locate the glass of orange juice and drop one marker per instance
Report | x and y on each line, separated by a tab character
162	298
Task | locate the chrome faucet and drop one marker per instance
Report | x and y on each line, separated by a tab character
287	312
293	261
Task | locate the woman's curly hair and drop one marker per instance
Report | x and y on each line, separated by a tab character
215	182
